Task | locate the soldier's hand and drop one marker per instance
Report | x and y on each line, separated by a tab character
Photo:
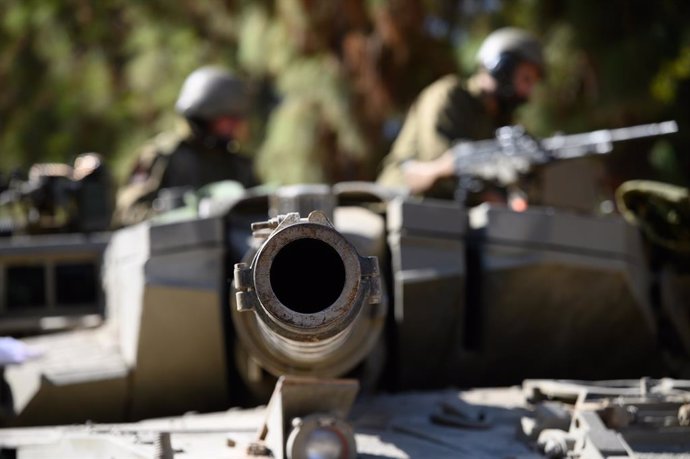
420	176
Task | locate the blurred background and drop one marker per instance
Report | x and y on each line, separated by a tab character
333	78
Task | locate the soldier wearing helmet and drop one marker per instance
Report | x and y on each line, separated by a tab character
509	65
215	105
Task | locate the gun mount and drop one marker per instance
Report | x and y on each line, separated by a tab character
316	303
53	232
59	198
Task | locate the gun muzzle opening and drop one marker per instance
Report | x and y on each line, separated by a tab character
307	275
308	304
307	278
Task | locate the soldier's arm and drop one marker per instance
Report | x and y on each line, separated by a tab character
404	150
419	157
135	198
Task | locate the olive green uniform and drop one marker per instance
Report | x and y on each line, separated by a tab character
177	160
444	113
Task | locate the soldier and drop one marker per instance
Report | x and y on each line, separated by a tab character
215	105
510	64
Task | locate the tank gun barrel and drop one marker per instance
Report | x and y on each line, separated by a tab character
308	304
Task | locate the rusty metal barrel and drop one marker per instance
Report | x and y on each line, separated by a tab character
308	304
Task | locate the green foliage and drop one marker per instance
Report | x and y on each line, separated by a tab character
91	76
671	75
103	76
311	126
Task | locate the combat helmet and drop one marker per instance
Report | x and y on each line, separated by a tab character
209	92
503	50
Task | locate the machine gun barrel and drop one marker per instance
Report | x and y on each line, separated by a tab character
514	148
568	146
308	304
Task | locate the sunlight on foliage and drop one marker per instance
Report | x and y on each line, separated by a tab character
665	84
339	75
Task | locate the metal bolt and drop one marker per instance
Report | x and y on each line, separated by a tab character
163	447
268	224
258	449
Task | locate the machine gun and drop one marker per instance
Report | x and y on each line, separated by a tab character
58	197
513	150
